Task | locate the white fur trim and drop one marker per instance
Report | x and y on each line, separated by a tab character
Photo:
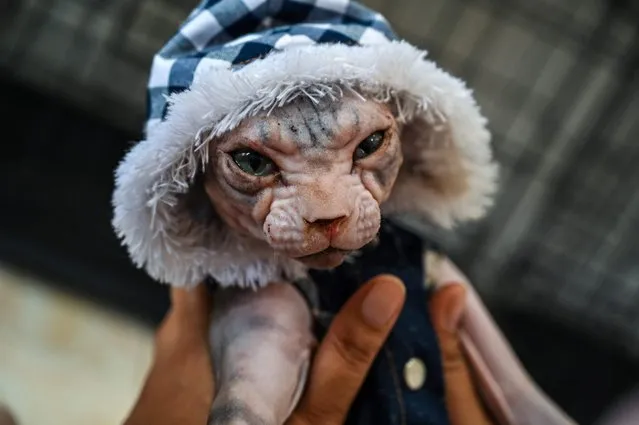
158	169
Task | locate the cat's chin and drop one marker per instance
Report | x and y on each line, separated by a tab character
326	259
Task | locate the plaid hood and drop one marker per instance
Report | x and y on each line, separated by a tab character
233	58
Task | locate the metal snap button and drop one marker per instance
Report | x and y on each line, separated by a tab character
414	373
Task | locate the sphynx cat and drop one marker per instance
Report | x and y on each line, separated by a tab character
307	180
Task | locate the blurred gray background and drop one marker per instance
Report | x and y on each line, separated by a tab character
556	78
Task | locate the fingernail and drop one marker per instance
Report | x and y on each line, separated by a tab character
454	311
382	302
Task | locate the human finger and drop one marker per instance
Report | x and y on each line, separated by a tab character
186	323
195	301
462	399
179	387
348	350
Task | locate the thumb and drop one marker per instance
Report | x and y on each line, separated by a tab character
462	400
348	350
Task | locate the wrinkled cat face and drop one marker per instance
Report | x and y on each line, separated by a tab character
308	178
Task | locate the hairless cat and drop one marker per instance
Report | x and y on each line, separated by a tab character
305	181
277	139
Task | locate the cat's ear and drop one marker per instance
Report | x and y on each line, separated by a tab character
447	176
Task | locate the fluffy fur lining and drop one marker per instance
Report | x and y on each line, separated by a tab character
152	177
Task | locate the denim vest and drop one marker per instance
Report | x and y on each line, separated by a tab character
385	398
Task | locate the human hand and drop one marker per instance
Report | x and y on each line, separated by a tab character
180	389
473	345
179	386
463	402
347	352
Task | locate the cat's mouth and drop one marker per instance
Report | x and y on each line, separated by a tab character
327	251
327	258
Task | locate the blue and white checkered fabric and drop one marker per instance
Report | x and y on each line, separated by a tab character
231	33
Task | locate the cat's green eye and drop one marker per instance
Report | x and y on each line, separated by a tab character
253	163
369	145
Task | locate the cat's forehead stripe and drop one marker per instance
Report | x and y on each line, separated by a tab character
307	124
